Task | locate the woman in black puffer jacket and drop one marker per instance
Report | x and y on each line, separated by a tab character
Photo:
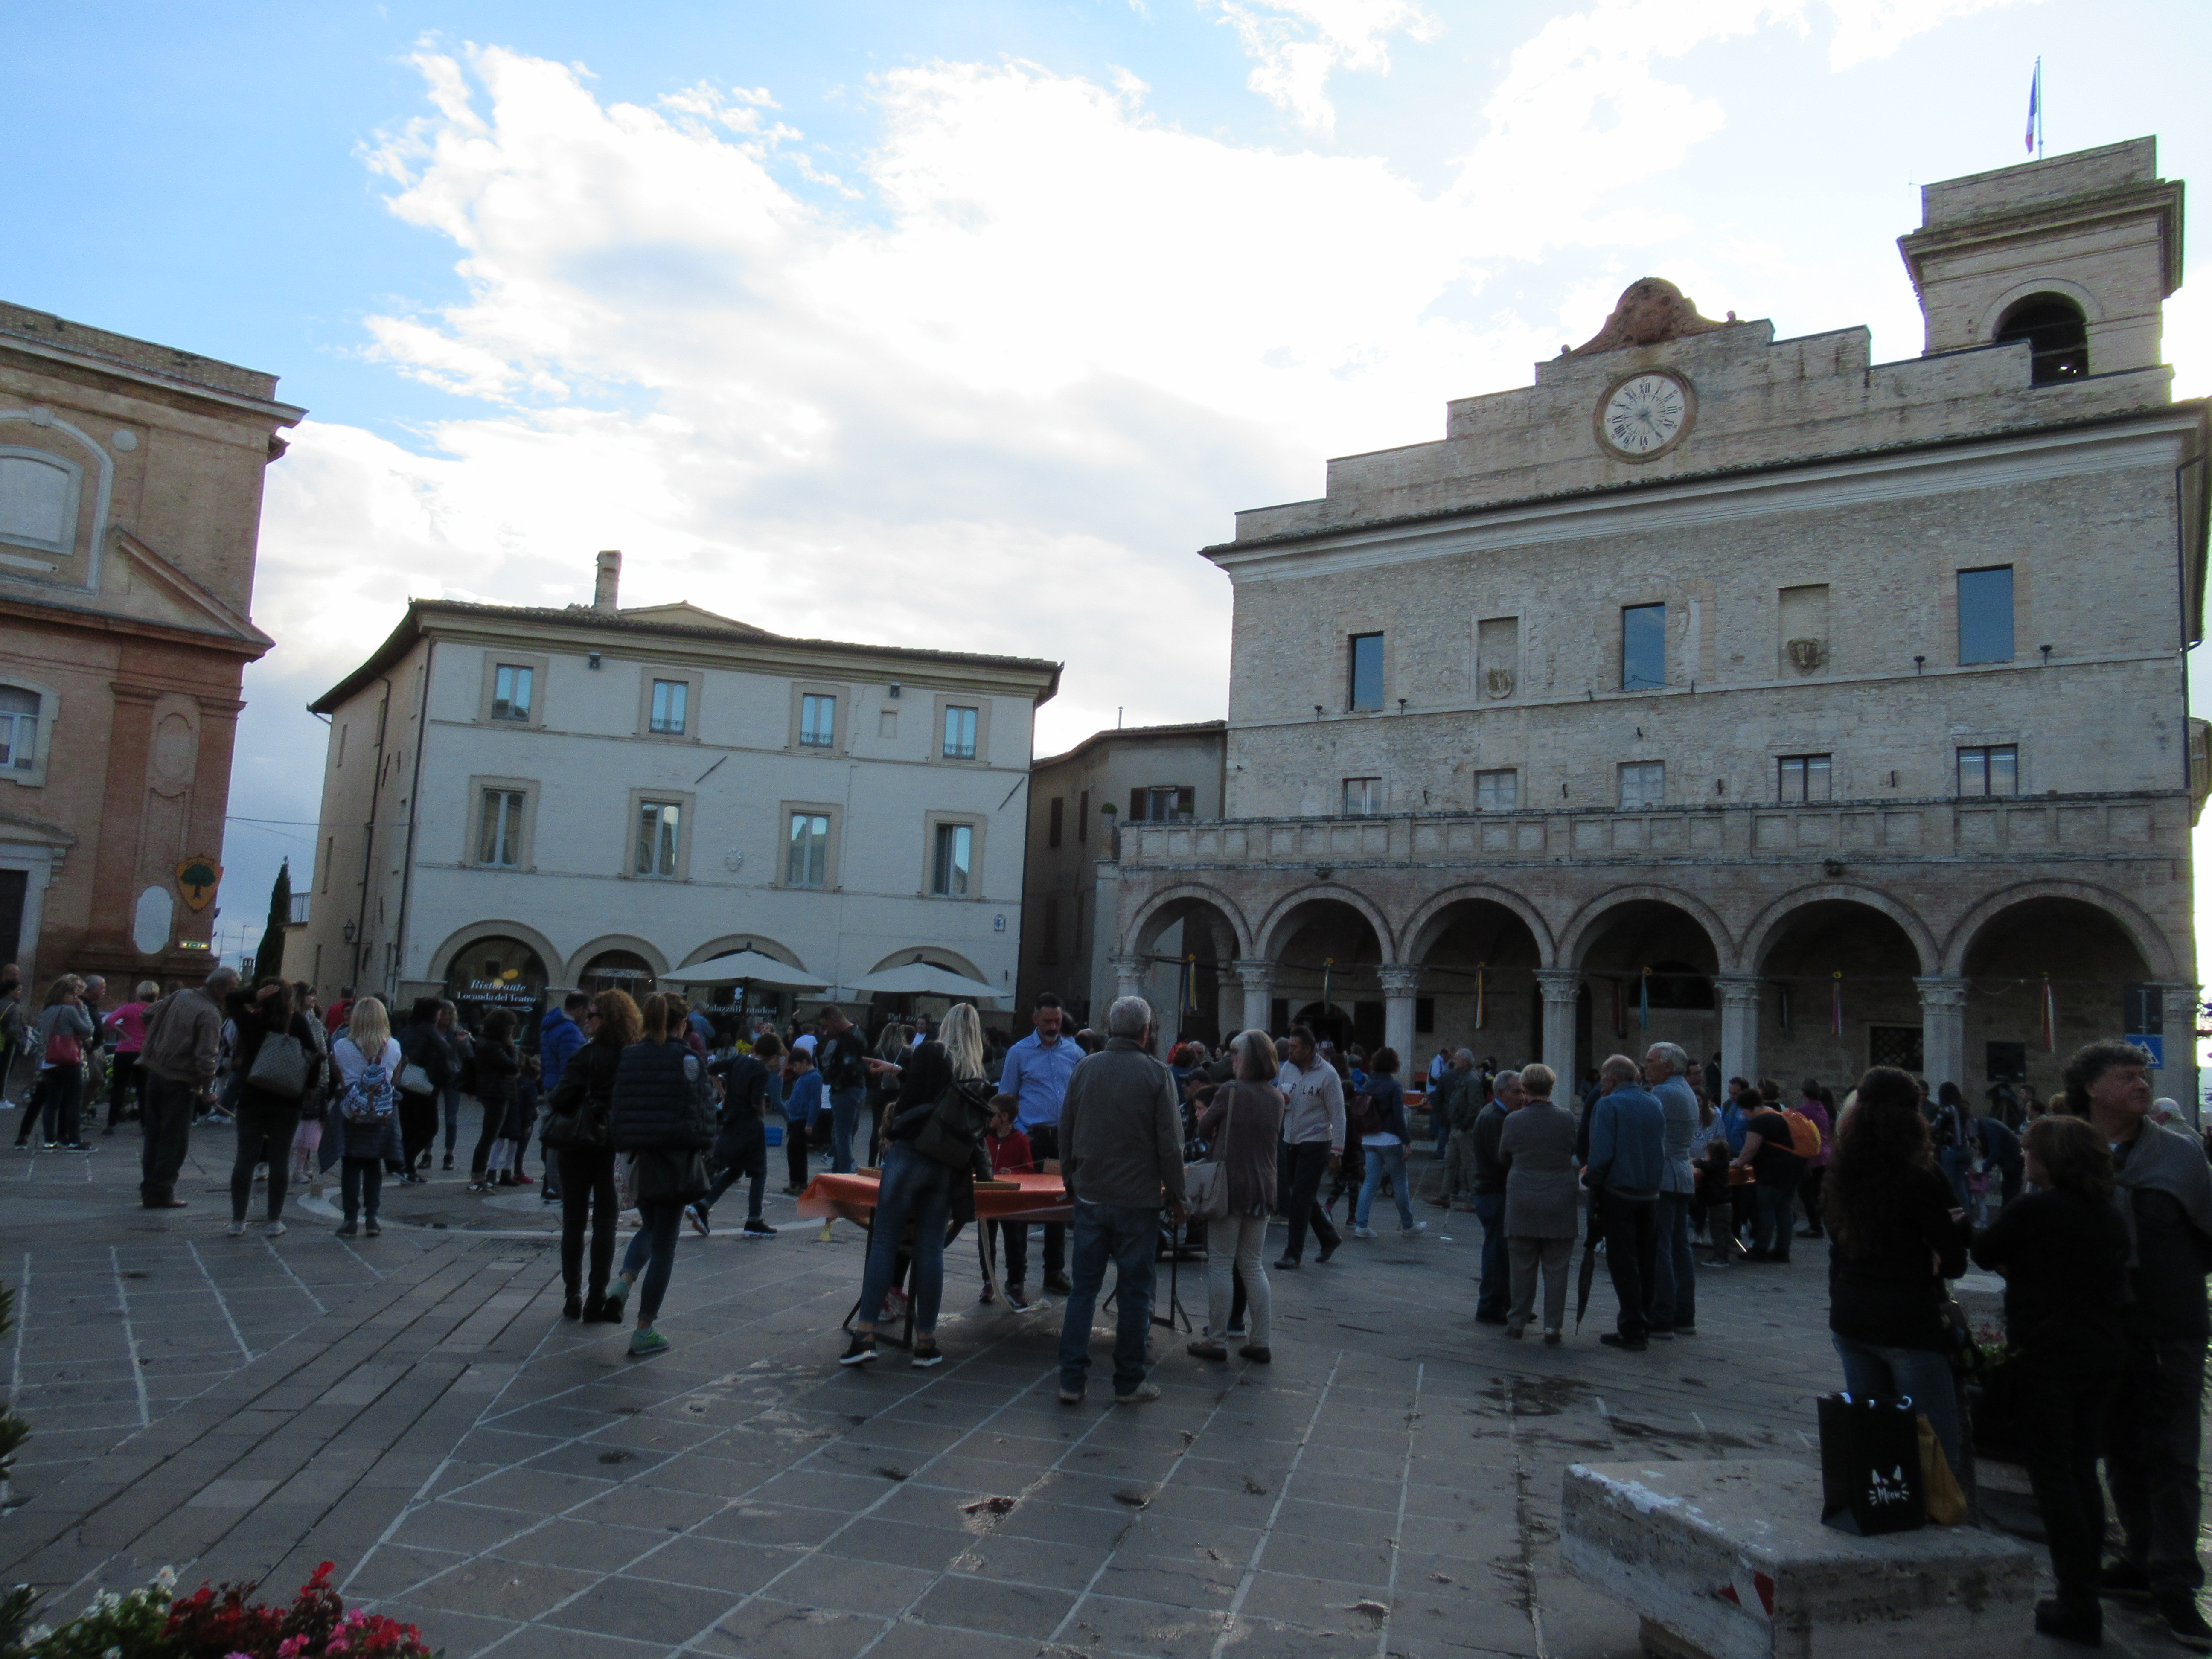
497	1063
576	1134
663	1111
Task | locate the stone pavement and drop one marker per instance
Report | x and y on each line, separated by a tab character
414	1408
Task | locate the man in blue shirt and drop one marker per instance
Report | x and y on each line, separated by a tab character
1671	1297
1627	1163
1035	1074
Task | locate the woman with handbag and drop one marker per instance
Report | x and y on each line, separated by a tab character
1384	1142
576	1136
277	1062
1896	1233
64	1031
662	1113
1240	1128
426	1065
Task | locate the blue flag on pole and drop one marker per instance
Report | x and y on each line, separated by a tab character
2035	102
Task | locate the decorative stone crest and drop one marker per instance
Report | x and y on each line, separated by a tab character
1497	681
1806	655
1651	310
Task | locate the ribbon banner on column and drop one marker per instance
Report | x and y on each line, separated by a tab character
1836	1005
2050	1017
1479	1007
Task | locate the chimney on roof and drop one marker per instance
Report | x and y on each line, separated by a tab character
609	579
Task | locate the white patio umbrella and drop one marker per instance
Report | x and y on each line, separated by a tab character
749	968
926	979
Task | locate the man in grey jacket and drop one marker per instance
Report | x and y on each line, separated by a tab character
1627	1158
1120	1153
184	1044
1671	1297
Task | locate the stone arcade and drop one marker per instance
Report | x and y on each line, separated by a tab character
1829	710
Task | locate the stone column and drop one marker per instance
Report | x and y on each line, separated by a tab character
1257	975
1942	1031
1400	982
1559	988
1739	1027
1129	977
2177	1077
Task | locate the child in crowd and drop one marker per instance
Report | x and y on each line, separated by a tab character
504	1167
802	1099
1009	1155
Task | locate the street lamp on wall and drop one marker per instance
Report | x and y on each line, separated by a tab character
349	931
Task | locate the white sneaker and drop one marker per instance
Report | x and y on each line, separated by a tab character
1363	1232
1418	1227
238	1230
275	1230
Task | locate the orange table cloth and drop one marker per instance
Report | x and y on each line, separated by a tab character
852	1198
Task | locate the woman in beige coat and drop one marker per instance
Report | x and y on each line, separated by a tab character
1542	1195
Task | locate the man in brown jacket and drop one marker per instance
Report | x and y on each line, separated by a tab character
184	1045
1121	1152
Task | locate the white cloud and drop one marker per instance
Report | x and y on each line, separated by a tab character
1298	44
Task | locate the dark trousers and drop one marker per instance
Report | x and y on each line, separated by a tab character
65	1087
122	1079
360	1185
495	1118
1128	1237
1308	1164
651	1257
1778	1217
587	1191
1632	1253
450	1095
1673	1295
1346	1178
1809	1193
165	1121
737	1160
794	1152
2061	1406
1016	1235
1496	1292
265	1135
418	1126
1044	1143
2151	1432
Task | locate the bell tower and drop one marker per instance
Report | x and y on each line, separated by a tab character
2074	255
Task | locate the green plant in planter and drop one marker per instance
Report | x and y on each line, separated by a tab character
134	1625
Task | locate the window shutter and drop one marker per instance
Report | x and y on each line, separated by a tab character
1187	801
1136	806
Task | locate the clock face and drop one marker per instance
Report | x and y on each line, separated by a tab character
1643	415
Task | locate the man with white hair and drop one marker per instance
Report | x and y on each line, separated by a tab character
1672	1291
184	1042
1120	1153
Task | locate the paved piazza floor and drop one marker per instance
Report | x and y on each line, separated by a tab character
415	1408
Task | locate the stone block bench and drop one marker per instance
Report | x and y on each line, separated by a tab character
1728	1560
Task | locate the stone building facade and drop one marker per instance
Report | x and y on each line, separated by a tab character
131	479
520	800
1810	711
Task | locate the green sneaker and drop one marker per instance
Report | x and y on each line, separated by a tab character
646	1344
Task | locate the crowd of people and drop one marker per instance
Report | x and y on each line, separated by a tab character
2095	1206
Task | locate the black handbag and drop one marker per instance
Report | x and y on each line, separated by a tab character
1870	1478
956	1124
673	1177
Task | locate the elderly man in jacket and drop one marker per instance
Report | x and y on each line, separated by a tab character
1671	1297
1495	1293
1627	1161
1120	1153
177	1063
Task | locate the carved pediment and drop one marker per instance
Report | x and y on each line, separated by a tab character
1651	310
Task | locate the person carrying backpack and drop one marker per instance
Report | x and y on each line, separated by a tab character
367	1118
1812	1126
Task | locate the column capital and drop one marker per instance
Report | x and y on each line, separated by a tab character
1254	973
1938	991
1738	990
1399	979
1560	984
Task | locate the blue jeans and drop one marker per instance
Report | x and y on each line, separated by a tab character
1392	1158
1922	1374
915	1190
652	1248
1496	1286
1130	1236
1675	1271
1776	1220
846	1108
1956	1160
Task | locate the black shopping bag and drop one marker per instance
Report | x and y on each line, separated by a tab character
1870	1464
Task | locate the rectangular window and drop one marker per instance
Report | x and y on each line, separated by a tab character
660	827
959	734
1082	816
501	844
806	862
1985	614
510	692
19	729
1162	803
1497	792
1803	778
1365	690
1363	797
818	721
887	723
671	699
1994	770
1895	1045
948	873
1056	820
1642	647
1643	783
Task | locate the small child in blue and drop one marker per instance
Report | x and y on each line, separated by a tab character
802	1099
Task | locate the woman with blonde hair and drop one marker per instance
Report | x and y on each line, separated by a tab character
916	1189
1240	1128
365	1110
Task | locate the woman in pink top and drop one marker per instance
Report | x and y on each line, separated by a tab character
127	1028
1814	1106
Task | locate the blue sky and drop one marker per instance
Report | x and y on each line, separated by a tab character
918	323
